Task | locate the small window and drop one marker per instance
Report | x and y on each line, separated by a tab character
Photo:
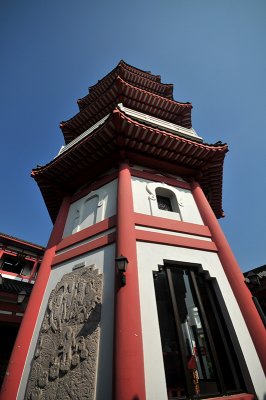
166	200
164	203
89	212
75	222
13	263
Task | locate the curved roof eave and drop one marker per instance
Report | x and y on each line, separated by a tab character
57	177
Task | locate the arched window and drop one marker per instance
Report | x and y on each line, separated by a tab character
166	200
75	222
89	212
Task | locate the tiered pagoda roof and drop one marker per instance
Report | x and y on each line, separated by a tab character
136	89
131	112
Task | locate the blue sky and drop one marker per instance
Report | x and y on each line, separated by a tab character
213	51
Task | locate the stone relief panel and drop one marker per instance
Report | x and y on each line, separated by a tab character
65	360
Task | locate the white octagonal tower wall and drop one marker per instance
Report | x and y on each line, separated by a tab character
94	207
145	200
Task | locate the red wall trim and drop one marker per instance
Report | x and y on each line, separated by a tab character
240	396
13	319
152	176
234	275
129	381
94	186
4	306
84	248
14	253
84	234
11	297
19	354
171	240
171	225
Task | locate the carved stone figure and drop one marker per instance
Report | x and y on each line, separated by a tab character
64	364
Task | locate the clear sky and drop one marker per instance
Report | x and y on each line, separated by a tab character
213	51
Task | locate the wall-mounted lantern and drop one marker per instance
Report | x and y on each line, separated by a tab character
121	265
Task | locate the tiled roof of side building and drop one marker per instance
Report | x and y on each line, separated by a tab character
14	286
4	237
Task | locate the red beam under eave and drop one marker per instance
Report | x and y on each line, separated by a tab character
153	176
155	163
94	186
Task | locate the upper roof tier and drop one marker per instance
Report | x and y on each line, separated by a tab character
134	76
136	89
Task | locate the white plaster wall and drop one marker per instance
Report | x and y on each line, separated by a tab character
149	257
104	262
144	199
163	231
103	204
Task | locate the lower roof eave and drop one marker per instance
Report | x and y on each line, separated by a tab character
141	144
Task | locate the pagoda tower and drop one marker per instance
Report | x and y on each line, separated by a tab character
139	295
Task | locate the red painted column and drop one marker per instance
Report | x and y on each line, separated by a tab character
129	366
20	350
234	274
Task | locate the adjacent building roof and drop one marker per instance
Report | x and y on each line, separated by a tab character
14	286
260	271
21	243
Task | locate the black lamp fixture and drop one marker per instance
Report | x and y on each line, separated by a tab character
121	265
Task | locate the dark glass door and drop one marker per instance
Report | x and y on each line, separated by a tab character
188	320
